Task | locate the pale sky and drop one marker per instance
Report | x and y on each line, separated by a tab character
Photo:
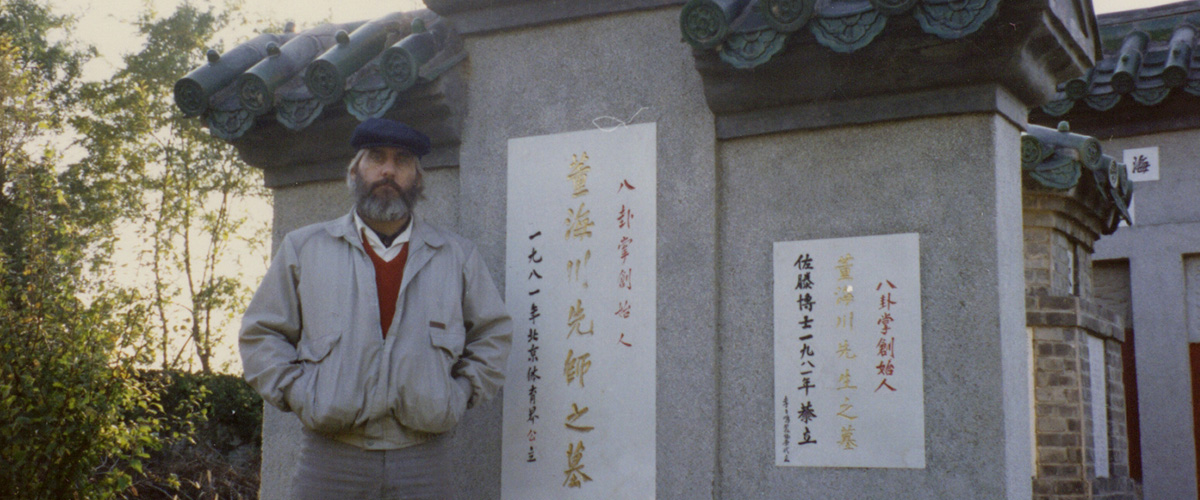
1106	6
106	23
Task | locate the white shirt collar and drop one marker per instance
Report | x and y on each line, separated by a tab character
386	253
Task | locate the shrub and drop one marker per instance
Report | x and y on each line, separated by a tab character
228	413
78	420
216	422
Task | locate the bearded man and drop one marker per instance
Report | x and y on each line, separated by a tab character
378	330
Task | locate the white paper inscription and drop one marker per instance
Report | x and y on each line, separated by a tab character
848	370
1142	164
579	399
1098	383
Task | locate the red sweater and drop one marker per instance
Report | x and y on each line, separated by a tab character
388	276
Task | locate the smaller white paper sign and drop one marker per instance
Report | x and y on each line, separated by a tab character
1099	386
849	383
1142	164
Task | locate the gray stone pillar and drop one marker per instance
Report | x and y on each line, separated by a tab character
544	67
908	132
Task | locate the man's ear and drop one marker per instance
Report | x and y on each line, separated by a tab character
351	175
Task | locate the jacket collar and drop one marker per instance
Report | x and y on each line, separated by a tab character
422	233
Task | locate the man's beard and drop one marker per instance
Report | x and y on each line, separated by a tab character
373	204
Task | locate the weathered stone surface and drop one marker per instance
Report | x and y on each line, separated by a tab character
801	185
549	89
482	16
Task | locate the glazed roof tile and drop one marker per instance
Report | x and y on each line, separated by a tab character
747	33
365	66
1148	55
1059	160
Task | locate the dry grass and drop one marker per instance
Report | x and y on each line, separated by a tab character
199	472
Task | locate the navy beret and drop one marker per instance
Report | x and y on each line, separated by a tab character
376	132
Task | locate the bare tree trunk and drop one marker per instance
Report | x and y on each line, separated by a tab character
159	301
190	274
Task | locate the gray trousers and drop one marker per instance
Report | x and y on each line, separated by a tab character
332	470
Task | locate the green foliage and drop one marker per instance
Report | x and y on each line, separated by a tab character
232	410
26	25
74	408
185	183
235	409
78	419
215	451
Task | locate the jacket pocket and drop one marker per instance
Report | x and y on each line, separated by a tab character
448	339
313	396
430	399
316	349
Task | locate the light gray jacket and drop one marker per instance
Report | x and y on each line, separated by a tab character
310	339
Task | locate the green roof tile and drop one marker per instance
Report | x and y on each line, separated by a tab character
1148	55
362	66
1059	160
747	33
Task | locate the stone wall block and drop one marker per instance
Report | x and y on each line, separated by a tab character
1051	424
1070	487
1059	303
1047	334
1053	455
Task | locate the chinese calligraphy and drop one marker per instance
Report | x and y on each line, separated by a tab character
579	223
578	175
844	392
574	470
531	372
593	403
886	344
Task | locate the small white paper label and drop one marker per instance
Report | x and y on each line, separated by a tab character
1142	164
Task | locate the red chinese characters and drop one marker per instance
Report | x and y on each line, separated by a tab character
886	346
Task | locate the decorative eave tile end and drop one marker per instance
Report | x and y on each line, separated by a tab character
1062	161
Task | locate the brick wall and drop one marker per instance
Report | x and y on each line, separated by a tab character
1062	316
1061	419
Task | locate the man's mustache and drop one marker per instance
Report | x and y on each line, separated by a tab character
384	182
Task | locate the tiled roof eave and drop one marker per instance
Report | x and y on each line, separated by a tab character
361	67
1138	66
1061	161
748	33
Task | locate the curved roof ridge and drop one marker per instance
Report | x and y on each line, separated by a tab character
1148	55
363	65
